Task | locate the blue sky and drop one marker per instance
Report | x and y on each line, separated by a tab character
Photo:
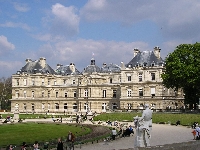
65	31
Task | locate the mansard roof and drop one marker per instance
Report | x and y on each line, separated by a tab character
37	66
145	58
67	70
92	67
110	68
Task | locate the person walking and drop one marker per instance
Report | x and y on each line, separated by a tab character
71	139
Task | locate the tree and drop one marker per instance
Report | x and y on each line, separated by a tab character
183	71
5	93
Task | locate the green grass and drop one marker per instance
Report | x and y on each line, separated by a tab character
29	132
185	119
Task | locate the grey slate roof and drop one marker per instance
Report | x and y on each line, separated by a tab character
65	70
110	68
145	58
92	67
34	67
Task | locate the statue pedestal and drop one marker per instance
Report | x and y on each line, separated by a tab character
16	115
89	115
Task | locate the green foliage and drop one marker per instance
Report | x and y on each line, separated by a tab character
5	93
183	71
29	132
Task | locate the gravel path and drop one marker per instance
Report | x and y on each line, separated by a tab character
161	135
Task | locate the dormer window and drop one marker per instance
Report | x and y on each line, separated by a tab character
153	64
144	64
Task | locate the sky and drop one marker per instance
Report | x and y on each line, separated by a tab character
75	31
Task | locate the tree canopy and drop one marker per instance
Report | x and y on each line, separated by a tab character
5	92
183	71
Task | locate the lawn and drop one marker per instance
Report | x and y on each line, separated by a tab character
185	119
30	132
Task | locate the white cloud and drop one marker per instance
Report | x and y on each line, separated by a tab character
178	19
65	21
21	7
81	51
5	46
9	67
15	25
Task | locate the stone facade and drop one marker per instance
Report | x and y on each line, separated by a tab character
38	88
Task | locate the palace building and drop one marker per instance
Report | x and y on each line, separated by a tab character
39	88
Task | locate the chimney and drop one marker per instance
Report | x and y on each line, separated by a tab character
59	65
157	51
104	64
42	61
72	67
28	60
122	65
136	51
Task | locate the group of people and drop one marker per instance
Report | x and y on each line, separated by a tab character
70	141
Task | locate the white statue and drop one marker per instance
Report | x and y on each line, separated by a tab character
143	127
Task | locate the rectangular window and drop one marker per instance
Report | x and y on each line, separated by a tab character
55	82
42	93
74	94
65	105
104	93
24	106
42	81
17	94
33	107
48	94
24	94
64	81
140	92
49	106
153	92
33	81
43	106
153	76
17	81
140	77
33	94
48	82
57	105
73	82
110	80
129	78
65	94
25	82
129	92
86	92
56	94
114	93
